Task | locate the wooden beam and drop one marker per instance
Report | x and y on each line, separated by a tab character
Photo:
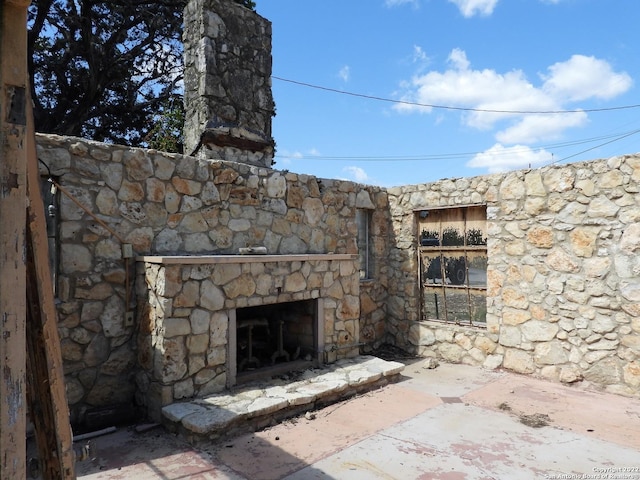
45	381
13	84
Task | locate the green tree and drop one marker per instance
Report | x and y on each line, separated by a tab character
167	132
104	70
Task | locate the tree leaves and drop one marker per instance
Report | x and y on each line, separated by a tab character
104	70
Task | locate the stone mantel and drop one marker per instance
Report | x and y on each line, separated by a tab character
213	259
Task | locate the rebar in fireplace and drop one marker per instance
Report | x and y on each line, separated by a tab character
281	352
249	324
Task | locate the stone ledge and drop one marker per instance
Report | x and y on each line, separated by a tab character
261	404
212	259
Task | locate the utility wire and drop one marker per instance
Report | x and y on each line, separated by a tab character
449	107
447	156
635	132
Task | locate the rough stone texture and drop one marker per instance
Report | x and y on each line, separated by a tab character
563	289
227	58
177	345
93	280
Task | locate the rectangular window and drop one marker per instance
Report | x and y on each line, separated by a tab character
453	264
365	244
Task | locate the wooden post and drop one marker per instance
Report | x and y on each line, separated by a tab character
13	133
45	379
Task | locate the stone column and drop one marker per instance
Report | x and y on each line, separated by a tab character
228	99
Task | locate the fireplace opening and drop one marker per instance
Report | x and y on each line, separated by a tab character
276	339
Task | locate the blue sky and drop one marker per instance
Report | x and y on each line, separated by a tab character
380	63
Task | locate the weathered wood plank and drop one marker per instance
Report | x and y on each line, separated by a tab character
13	82
46	388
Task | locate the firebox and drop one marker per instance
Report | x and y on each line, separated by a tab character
275	339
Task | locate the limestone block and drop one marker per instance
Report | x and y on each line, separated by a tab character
121	361
112	317
534	185
75	258
583	241
243	286
163	167
493	361
539	331
80	335
215	385
217	356
518	360
200	320
630	290
541	237
196	364
451	352
512	316
186	187
189	295
601	207
174	327
74	390
107	202
137	164
183	389
194	222
313	210
559	179
71	351
420	334
172	199
486	345
276	186
550	353
631	341
631	374
561	261
110	390
130	191
597	267
607	371
197	343
170	362
211	297
510	336
512	297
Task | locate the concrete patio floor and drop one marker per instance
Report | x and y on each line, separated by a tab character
452	422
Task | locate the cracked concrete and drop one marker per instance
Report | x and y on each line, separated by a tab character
452	422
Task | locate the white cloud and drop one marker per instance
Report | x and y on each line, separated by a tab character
469	8
358	174
345	73
582	77
419	55
578	79
538	128
500	158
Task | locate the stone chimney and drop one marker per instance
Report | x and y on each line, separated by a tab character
227	81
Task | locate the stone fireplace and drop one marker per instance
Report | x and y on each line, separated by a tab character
210	322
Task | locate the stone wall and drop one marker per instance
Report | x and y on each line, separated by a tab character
169	204
228	99
563	297
187	304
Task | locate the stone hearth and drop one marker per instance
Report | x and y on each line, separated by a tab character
259	404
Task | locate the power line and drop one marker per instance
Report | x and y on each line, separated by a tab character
450	156
449	107
628	134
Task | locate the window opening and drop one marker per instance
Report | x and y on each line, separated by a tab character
365	244
453	264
